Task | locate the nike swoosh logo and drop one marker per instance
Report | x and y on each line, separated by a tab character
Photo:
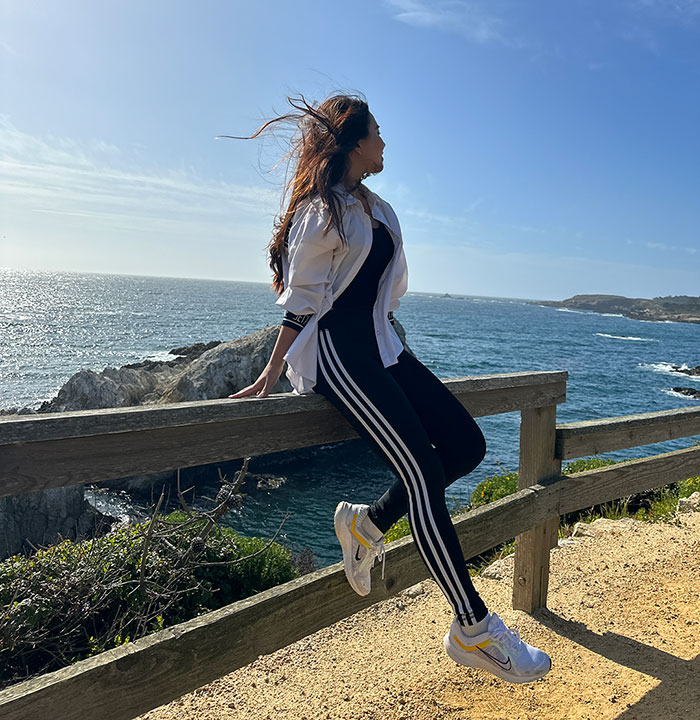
504	665
357	554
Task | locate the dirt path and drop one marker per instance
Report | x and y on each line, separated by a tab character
623	630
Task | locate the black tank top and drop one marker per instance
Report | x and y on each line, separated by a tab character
361	293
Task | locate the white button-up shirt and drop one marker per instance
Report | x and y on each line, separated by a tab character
317	268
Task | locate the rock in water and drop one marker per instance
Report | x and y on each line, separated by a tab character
686	370
225	369
203	371
688	392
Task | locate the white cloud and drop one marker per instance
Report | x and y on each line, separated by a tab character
530	229
63	175
671	248
7	48
683	12
85	205
469	19
647	19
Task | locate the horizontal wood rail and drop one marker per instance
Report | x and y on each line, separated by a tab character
167	664
87	446
592	437
129	680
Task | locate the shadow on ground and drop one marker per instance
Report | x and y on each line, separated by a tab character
676	695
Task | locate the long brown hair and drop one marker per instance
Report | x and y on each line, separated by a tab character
326	135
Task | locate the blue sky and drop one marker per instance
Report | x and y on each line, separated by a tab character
534	150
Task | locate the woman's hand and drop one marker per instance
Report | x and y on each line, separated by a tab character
265	382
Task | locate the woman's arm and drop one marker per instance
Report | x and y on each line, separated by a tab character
309	255
272	371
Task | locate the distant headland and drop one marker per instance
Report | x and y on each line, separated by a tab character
674	308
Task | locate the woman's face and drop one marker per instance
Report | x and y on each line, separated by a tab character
371	148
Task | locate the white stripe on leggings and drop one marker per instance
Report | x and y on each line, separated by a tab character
416	476
389	455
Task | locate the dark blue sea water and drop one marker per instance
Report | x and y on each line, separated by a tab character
54	324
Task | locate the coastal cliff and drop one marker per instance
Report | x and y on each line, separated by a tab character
674	308
202	371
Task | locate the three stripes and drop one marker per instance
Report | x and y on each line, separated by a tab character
426	533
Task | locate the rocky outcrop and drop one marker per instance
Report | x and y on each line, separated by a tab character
141	383
44	517
225	369
203	371
688	392
680	308
693	371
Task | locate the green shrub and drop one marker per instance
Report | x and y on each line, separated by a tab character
76	599
687	487
661	507
592	463
398	530
652	505
494	488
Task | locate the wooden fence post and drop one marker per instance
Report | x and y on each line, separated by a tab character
537	463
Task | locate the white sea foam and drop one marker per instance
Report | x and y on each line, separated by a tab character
14	317
667	369
611	315
625	337
577	312
162	356
675	394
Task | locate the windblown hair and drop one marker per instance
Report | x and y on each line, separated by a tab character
326	135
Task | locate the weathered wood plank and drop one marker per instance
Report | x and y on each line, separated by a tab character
537	463
108	444
130	680
592	437
125	682
54	426
29	467
591	487
493	402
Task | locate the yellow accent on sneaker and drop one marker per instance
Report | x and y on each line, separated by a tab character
355	533
471	648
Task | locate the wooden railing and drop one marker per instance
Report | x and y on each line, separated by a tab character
543	446
72	448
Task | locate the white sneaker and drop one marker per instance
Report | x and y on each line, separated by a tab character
498	650
361	541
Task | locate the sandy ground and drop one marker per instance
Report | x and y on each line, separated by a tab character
622	628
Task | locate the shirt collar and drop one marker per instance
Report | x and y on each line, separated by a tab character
349	198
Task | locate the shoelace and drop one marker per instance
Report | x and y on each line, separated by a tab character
377	551
508	636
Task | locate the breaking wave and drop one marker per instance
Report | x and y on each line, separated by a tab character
673	393
625	337
668	369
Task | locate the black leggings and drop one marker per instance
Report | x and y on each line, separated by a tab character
419	429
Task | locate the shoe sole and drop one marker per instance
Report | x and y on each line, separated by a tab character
463	658
345	540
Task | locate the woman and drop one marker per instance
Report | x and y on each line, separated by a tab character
340	269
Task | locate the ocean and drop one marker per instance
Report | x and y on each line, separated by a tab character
53	324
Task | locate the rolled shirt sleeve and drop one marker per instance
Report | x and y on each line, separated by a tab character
306	263
297	322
